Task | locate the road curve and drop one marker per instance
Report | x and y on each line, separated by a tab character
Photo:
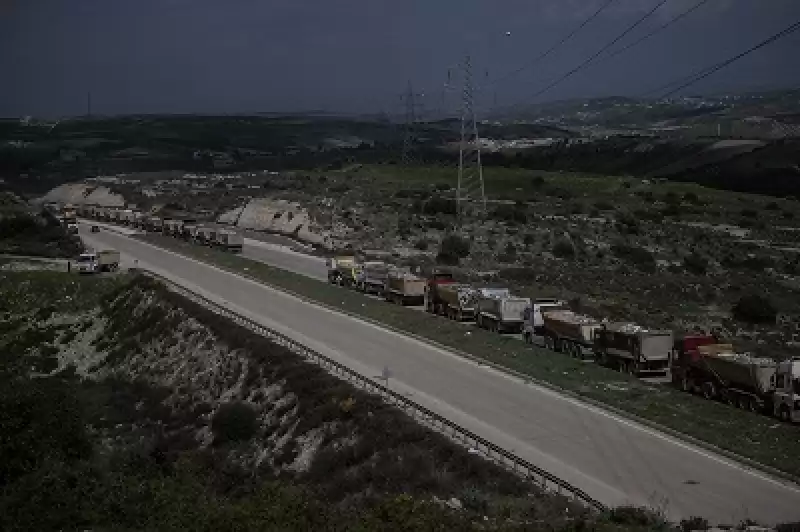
614	460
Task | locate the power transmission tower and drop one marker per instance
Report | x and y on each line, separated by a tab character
409	137
471	196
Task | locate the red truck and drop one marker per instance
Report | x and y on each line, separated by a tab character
433	302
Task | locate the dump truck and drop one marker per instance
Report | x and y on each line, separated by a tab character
569	332
229	240
371	277
173	227
189	231
534	322
205	235
633	349
758	384
154	223
95	262
457	301
139	220
404	288
500	311
433	302
342	270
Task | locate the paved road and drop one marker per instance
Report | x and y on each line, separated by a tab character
614	460
283	257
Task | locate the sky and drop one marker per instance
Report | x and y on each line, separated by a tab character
358	56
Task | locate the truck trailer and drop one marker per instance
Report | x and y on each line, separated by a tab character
633	349
758	384
404	288
500	311
570	333
229	240
457	301
101	261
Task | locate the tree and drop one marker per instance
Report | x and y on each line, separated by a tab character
234	422
639	257
452	249
696	264
755	309
509	255
564	248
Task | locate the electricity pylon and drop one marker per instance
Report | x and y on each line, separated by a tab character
471	195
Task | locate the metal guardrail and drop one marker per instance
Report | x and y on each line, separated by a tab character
419	413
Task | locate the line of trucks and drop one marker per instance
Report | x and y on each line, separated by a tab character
190	230
702	364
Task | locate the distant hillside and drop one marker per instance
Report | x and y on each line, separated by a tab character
620	111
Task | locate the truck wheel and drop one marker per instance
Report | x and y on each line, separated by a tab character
752	405
784	414
686	385
709	390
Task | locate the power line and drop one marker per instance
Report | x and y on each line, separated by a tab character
597	54
719	66
659	29
553	47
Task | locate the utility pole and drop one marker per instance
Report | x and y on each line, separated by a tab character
89	104
409	137
471	195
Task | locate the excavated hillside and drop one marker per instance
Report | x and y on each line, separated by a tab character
137	408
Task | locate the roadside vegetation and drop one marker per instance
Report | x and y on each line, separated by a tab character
25	232
759	438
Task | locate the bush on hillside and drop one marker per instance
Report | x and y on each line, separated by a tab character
639	257
696	264
234	422
564	248
452	249
755	309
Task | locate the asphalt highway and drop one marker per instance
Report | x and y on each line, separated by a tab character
614	460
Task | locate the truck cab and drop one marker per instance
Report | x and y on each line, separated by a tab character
533	321
786	402
87	263
685	353
438	277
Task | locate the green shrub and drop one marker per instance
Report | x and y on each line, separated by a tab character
564	248
452	249
639	257
696	264
234	422
755	309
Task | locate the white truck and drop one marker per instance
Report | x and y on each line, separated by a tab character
229	240
570	333
371	277
534	322
95	262
500	311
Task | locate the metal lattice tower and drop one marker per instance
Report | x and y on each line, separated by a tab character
471	195
409	137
